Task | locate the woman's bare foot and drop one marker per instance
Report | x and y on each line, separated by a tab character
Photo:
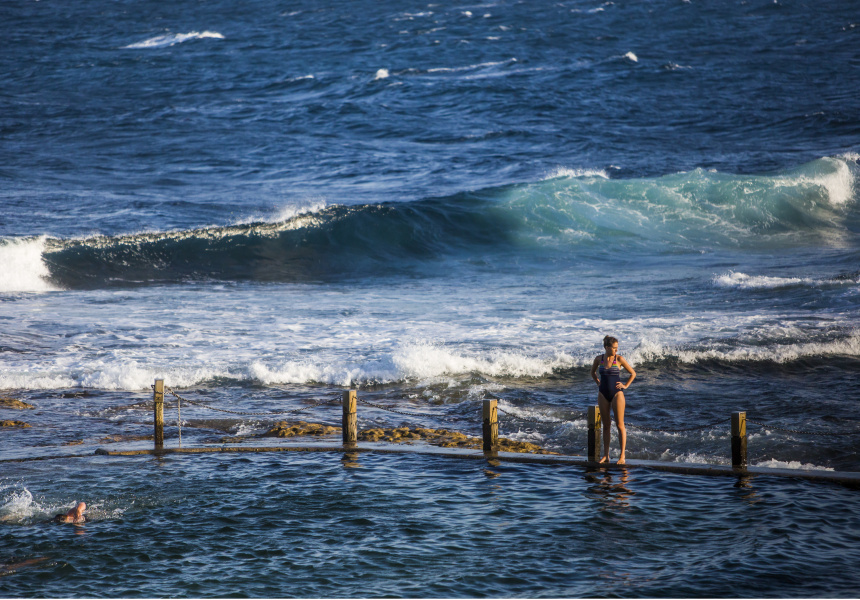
621	461
605	459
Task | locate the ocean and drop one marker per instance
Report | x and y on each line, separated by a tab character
434	204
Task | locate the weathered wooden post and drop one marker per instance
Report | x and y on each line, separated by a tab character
158	416
594	433
350	417
491	425
739	440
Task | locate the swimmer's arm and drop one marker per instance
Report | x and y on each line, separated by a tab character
594	366
627	366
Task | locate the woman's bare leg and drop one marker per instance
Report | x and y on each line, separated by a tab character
619	404
606	422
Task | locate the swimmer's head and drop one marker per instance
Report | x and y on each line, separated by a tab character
609	341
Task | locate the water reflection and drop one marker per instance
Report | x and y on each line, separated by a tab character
493	463
610	486
12	568
350	460
746	490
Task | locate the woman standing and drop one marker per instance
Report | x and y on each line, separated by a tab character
610	393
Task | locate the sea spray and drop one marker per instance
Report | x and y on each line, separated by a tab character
22	266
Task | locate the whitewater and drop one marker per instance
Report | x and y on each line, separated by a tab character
434	205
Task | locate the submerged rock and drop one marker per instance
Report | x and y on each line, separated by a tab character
437	437
116	437
293	429
13	403
14	424
444	438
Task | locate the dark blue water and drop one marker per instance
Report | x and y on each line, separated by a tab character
435	204
317	525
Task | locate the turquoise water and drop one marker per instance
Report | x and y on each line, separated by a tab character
371	525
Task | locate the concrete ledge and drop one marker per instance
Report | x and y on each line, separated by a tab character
851	479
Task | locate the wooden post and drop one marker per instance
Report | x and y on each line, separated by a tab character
350	417
491	425
739	440
594	433
158	416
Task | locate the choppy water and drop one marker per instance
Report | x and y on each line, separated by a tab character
415	526
436	204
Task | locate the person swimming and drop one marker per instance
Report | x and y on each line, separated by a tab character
610	394
75	515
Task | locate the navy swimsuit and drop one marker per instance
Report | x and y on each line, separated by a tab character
609	377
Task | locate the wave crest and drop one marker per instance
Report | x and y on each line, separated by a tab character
169	39
565	212
22	267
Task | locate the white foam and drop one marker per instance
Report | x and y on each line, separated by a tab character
421	362
286	213
738	280
576	173
791	464
632	57
19	506
169	39
381	74
287	219
471	67
22	266
775	352
411	16
837	182
744	281
694	458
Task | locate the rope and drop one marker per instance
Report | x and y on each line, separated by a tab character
801	431
255	414
399	412
510	415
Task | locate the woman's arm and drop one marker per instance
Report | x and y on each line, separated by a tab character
627	366
594	366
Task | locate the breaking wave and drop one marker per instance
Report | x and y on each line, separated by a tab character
431	364
572	211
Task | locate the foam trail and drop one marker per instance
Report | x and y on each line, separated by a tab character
471	67
22	268
169	39
744	281
575	173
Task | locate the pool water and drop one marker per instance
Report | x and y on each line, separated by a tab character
370	525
